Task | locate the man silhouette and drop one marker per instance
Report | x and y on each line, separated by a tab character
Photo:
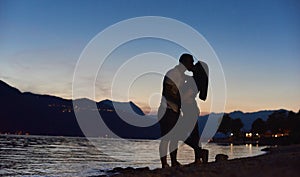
170	106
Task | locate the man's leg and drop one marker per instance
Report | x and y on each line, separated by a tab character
163	150
173	146
163	146
173	153
167	122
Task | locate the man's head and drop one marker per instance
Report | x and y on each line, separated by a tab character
187	60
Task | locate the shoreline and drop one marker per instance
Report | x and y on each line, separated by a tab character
278	161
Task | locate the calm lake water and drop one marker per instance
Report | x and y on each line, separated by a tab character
69	156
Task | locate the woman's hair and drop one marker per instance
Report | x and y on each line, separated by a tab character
200	74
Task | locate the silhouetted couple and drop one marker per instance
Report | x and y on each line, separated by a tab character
178	111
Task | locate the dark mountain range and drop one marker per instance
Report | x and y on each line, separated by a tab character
50	115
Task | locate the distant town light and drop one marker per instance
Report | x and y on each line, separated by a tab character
248	135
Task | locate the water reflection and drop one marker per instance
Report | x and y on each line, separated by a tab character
65	156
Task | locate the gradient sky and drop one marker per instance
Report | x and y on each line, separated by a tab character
257	42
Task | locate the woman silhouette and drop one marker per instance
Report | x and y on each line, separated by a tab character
190	111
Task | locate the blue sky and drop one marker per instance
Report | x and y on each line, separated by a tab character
257	43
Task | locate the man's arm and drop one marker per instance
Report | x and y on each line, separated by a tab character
171	91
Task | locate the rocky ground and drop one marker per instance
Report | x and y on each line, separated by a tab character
281	161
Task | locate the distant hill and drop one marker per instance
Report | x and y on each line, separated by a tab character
249	118
108	104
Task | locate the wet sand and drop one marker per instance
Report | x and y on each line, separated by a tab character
281	161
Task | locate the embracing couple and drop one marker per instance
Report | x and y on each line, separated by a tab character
178	112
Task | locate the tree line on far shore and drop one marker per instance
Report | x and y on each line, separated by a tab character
279	124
